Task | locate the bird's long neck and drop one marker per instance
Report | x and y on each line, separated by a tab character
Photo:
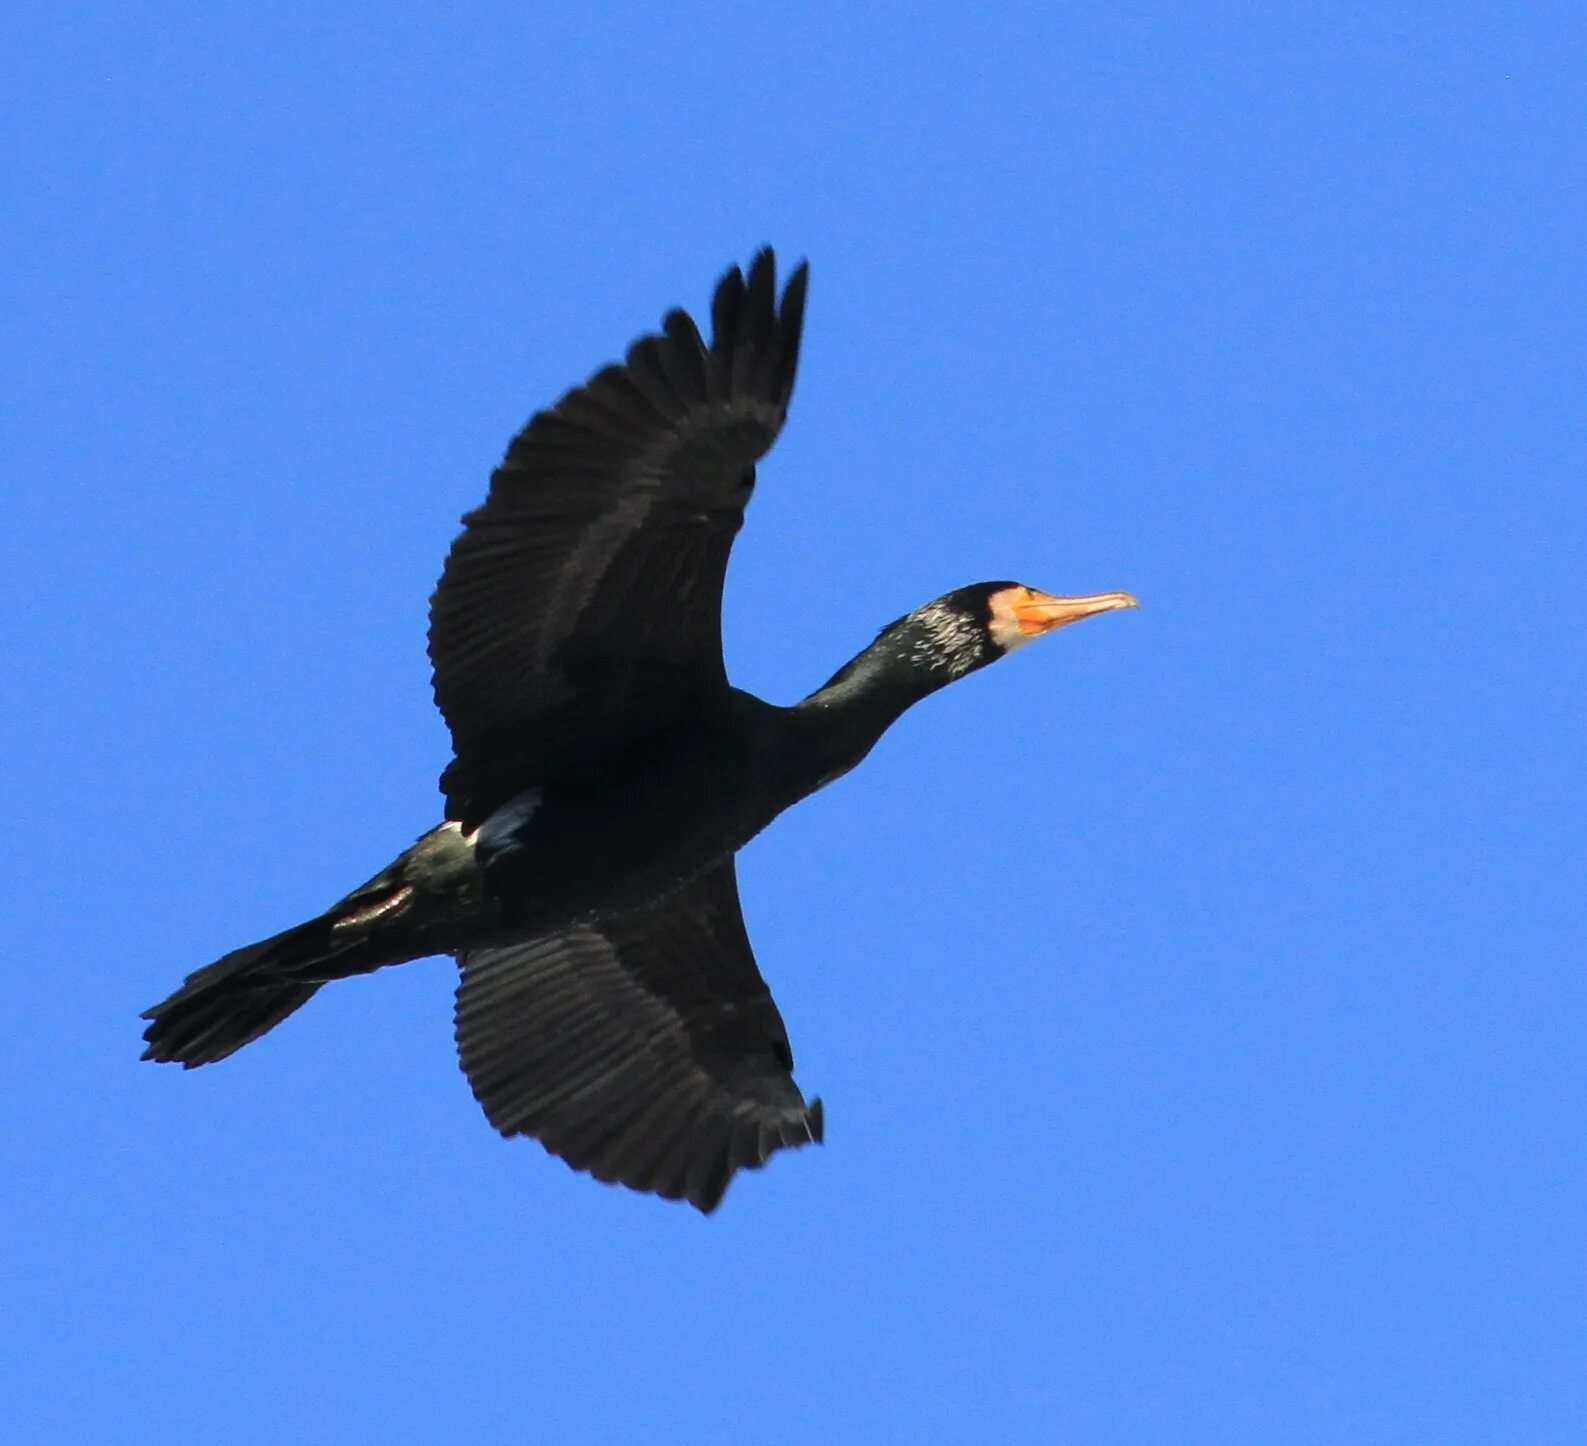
843	719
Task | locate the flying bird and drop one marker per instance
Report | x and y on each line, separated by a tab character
606	773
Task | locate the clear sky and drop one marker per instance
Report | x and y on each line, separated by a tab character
1197	998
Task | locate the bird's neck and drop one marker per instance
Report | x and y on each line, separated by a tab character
844	718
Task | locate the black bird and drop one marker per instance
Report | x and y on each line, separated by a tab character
606	773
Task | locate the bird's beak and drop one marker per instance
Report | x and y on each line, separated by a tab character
1037	613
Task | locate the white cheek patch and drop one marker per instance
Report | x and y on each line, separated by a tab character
1010	637
1004	627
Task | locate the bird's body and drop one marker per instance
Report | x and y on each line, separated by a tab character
606	773
616	831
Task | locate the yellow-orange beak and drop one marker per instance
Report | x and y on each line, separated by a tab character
1036	613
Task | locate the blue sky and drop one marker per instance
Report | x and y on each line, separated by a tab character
1197	998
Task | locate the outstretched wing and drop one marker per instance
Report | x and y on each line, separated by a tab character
585	594
645	1049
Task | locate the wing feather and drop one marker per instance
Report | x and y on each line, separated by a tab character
644	1049
583	598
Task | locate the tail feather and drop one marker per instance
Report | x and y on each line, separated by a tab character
415	906
233	1001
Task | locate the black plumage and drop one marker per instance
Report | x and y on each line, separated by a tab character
605	773
587	590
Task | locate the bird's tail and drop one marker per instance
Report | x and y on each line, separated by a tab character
231	1002
418	905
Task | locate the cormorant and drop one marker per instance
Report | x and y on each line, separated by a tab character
606	773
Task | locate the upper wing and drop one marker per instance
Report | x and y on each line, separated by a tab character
586	592
645	1049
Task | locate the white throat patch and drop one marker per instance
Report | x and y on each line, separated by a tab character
1003	624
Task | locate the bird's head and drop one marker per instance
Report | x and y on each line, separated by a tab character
972	626
951	636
